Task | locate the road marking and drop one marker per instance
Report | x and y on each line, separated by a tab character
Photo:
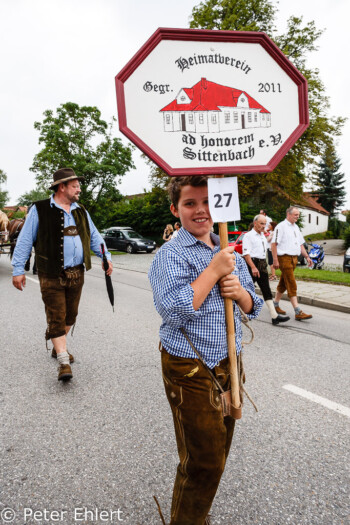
31	279
341	409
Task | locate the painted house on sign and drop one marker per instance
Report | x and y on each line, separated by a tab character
210	107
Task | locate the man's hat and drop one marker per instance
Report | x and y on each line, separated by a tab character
64	175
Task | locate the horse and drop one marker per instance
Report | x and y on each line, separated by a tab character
14	229
4	223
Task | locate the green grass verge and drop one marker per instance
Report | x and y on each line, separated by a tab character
304	274
112	252
324	236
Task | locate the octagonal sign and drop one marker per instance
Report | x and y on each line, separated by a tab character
212	102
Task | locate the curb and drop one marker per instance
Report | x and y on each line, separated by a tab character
303	299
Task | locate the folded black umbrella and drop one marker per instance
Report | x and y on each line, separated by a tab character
108	277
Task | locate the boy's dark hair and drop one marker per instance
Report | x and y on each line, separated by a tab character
176	183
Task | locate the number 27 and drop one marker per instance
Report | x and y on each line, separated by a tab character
219	197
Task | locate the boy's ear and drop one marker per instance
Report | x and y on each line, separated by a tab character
174	210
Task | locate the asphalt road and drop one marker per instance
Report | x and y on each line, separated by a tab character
96	449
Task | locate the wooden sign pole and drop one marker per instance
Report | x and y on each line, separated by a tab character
231	341
230	331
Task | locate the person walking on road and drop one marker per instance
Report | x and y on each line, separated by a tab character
254	253
62	233
177	227
268	219
190	277
269	234
287	244
168	233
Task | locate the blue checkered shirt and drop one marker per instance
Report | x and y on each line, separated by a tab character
176	265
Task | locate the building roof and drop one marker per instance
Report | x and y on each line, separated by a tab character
16	208
209	96
309	200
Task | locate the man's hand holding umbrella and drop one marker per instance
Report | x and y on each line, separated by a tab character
107	267
110	267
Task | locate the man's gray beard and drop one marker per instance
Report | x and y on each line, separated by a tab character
74	198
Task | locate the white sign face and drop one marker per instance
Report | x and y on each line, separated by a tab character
211	104
223	199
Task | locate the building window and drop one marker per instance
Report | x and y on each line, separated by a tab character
227	117
317	221
263	117
201	118
249	116
213	118
309	218
167	118
190	118
183	98
255	117
235	116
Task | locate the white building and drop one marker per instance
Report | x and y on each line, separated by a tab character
314	216
210	107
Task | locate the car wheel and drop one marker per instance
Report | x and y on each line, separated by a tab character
129	248
346	270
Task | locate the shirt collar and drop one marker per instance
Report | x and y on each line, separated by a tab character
73	206
289	223
187	239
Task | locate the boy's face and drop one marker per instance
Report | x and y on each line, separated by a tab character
193	211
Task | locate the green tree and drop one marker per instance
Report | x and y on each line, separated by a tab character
76	137
330	182
286	181
4	196
26	199
147	214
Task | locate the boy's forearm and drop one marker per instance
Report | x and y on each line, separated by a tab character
202	286
245	302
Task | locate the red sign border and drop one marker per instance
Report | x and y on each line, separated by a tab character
251	37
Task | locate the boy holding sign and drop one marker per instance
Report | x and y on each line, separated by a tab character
190	277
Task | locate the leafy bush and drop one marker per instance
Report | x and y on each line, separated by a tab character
337	227
346	237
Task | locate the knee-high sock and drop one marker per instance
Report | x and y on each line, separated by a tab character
271	308
63	358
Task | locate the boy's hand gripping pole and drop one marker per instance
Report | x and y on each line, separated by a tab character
231	341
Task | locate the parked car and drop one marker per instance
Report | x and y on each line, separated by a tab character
346	262
235	239
233	236
126	239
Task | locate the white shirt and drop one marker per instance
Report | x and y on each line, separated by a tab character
174	234
254	244
288	238
268	220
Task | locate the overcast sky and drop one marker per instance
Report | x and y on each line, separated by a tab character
55	51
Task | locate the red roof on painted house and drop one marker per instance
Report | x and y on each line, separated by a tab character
208	96
309	200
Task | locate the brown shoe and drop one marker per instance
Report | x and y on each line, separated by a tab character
54	354
64	373
300	316
279	310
